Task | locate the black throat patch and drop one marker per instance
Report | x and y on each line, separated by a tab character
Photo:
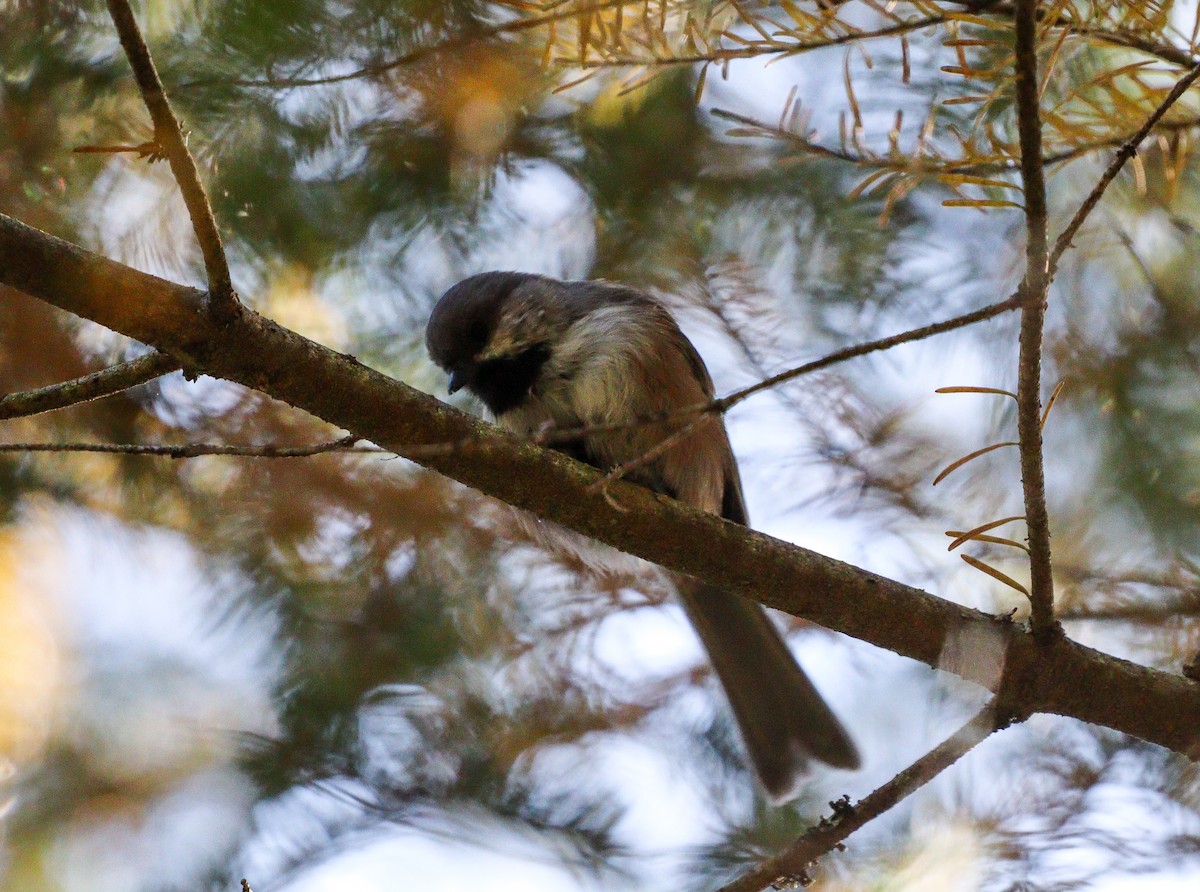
503	384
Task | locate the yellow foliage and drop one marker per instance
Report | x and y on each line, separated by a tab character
292	303
29	658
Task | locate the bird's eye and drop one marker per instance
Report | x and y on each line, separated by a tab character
478	334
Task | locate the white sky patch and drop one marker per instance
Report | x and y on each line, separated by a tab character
1182	879
344	106
184	403
646	644
160	682
138	217
312	839
540	221
300	820
664	810
667	814
407	859
127	590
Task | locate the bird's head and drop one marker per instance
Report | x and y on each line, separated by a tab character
493	332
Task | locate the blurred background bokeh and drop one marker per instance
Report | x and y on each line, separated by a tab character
346	672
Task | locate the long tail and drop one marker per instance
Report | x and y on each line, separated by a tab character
783	719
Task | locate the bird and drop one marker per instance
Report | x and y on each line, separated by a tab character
586	357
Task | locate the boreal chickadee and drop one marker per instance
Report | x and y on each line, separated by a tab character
545	353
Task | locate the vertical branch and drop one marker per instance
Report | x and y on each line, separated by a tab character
1033	312
168	134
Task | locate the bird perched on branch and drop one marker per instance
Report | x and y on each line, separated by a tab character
542	353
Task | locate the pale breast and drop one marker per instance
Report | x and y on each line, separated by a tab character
622	363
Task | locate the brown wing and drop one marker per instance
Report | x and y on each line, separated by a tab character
733	505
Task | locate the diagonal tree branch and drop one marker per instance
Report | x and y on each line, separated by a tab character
1059	676
141	370
1124	154
793	864
793	47
169	135
1033	313
933	166
725	403
454	43
916	334
88	387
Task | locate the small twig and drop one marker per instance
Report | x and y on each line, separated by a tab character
89	387
1033	314
192	450
1185	606
929	167
1124	154
147	151
419	53
804	142
793	865
168	134
838	356
649	455
758	50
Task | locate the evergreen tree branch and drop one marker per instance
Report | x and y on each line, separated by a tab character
719	55
1059	676
454	43
933	166
759	50
1124	154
